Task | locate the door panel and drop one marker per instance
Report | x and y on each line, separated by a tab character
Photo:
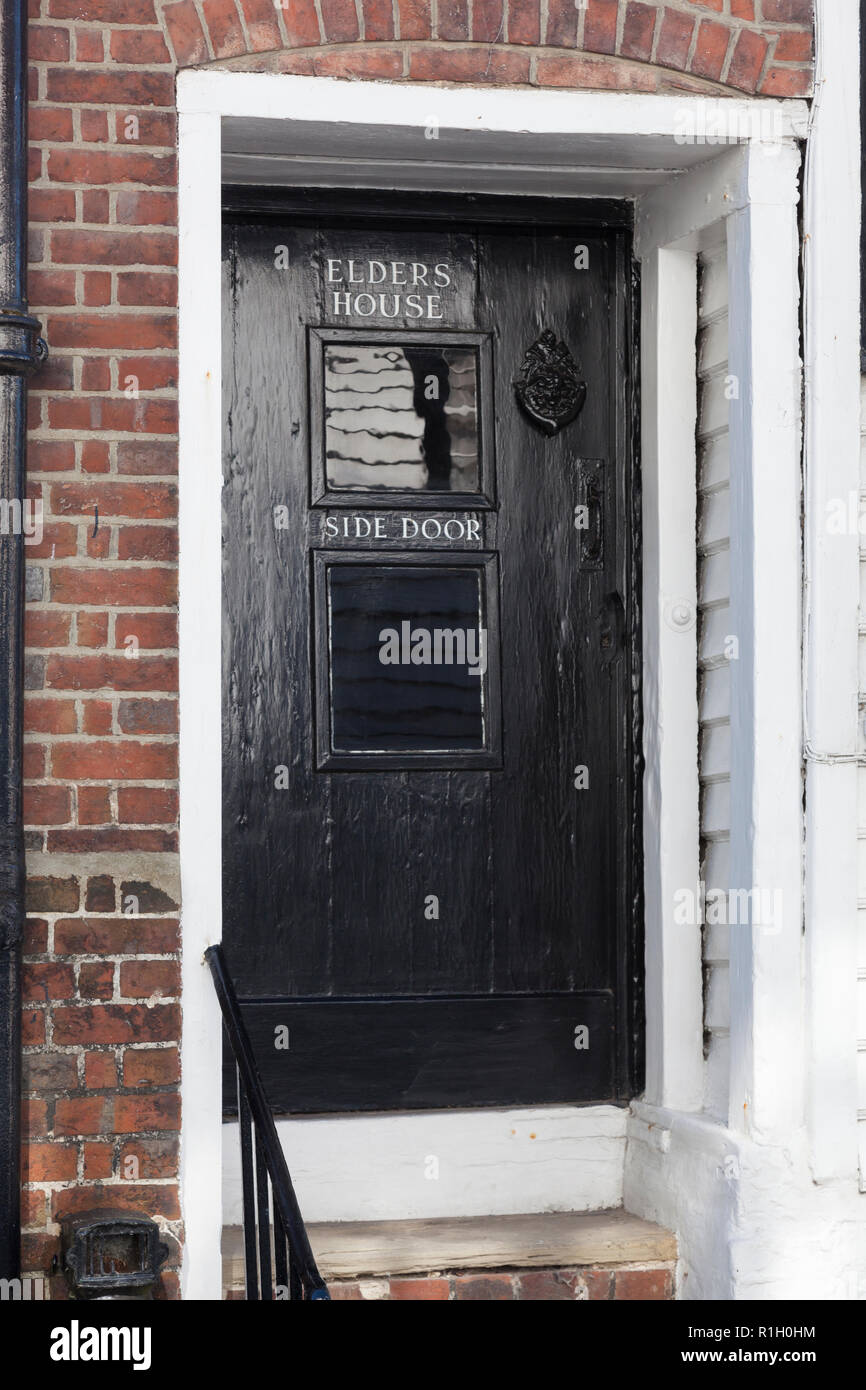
429	641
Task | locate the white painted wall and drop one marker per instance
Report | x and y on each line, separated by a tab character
831	270
766	1204
751	1222
861	820
714	671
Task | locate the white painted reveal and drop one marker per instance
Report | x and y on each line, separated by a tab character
714	652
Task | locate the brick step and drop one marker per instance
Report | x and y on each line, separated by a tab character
552	1255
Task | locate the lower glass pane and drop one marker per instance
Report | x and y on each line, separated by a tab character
408	659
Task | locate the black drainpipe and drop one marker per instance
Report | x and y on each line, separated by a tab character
21	351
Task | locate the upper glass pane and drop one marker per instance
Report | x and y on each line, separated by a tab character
401	418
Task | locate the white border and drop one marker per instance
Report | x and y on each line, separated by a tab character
832	592
200	629
606	122
330	103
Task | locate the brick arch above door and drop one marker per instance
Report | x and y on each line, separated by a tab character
761	47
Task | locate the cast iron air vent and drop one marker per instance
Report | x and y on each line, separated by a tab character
110	1254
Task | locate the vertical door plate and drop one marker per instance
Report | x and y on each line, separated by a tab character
590	515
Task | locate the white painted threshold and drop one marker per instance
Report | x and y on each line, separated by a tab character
427	1165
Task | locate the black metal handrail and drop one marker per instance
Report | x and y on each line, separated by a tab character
294	1267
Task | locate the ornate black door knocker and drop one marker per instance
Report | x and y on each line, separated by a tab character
550	390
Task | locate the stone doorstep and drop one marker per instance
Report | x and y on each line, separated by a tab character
575	1255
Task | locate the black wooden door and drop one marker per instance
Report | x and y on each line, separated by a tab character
430	687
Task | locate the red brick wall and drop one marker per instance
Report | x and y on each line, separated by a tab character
102	1017
582	1284
749	46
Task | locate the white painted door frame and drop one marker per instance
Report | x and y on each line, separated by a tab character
615	144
